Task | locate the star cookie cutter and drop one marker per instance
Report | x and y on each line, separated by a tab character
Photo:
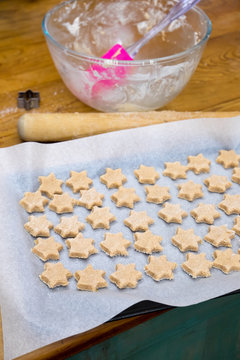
28	99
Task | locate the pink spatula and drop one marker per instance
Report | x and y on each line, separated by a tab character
105	77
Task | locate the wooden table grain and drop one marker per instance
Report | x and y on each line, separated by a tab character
26	63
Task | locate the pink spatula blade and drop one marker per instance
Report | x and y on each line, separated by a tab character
106	77
117	52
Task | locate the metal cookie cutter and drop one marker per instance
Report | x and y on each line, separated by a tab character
28	99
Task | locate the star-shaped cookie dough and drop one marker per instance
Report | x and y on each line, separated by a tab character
38	226
78	181
172	213
236	175
113	178
147	242
69	226
157	194
125	197
190	191
80	247
217	183
146	174
230	204
33	202
125	276
90	279
226	261
236	226
115	244
197	265
62	203
175	170
186	240
55	274
199	164
205	213
228	158
47	249
49	185
138	220
160	268
100	218
219	236
90	198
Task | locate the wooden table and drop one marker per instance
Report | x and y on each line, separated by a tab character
25	63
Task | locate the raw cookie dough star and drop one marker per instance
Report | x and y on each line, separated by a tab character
90	279
175	170
125	276
113	178
38	226
47	249
49	185
78	181
199	164
33	202
138	220
125	197
226	261
160	268
190	191
62	203
90	198
100	218
146	174
115	244
230	204
228	158
69	226
157	194
186	240
236	226
219	236
206	213
80	247
236	175
55	274
172	213
217	183
147	242
197	265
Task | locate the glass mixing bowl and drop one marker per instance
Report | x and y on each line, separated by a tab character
79	32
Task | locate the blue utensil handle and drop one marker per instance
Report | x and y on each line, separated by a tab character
176	11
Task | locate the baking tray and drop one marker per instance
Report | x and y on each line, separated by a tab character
169	142
146	307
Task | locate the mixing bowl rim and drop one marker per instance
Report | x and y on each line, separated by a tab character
111	62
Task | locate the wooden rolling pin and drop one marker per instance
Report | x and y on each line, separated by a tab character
49	127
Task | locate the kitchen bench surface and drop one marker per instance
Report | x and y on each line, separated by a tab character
25	63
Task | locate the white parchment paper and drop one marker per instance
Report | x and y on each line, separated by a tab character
33	315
